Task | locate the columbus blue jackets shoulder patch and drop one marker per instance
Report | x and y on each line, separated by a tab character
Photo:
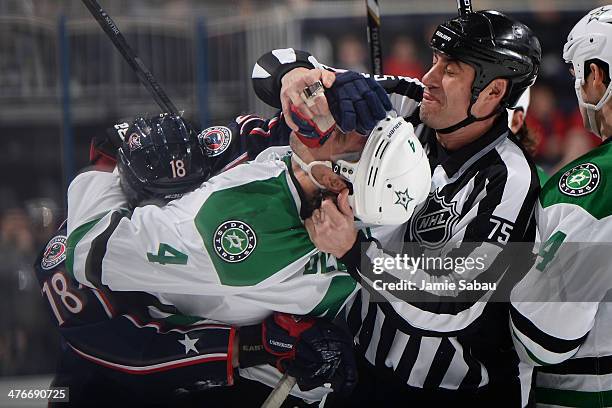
55	253
215	139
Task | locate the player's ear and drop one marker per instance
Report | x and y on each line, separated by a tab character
333	182
518	117
598	76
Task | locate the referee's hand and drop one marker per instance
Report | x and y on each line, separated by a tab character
292	86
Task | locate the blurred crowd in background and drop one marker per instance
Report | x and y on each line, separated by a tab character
33	172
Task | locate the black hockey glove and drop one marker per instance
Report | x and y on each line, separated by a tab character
356	102
314	351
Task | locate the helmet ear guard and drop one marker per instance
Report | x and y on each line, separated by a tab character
392	176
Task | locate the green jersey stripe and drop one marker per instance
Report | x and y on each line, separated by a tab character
542	176
601	365
339	290
73	240
529	353
570	398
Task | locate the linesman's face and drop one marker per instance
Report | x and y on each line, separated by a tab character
447	94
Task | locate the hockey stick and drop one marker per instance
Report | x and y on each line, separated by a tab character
144	75
280	392
464	7
374	36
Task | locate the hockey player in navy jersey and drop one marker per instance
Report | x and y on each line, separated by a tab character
236	143
127	347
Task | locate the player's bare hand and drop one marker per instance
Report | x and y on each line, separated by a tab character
331	228
293	84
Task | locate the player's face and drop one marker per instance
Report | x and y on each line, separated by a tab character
448	86
348	147
591	92
338	144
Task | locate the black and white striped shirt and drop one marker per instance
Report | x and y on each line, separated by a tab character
482	197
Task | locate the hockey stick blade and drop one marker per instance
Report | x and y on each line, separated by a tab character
280	392
144	75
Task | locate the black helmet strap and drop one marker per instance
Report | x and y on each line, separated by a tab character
469	119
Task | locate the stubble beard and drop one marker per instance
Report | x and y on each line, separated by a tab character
426	117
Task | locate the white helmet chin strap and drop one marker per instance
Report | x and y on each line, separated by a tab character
589	107
308	168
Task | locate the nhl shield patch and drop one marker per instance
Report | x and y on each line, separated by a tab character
215	139
432	226
55	253
234	241
580	180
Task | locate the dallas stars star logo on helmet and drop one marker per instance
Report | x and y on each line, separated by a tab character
597	13
580	180
234	241
403	198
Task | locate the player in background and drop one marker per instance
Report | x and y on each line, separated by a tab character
125	347
561	310
518	126
428	346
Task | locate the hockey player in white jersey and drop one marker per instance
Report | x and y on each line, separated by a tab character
128	348
561	316
235	249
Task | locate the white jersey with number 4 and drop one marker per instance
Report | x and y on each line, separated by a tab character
561	311
233	251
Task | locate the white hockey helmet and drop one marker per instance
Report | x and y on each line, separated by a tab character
591	38
392	176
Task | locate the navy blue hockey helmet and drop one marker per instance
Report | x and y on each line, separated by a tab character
160	159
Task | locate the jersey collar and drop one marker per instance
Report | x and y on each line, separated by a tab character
304	207
461	159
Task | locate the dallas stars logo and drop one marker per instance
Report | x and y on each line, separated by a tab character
234	241
596	14
403	198
580	180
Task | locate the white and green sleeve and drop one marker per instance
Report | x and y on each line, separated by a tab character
555	305
233	250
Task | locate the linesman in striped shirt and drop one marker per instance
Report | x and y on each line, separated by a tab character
426	332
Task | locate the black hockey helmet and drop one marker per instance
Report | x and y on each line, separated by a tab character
496	46
160	159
